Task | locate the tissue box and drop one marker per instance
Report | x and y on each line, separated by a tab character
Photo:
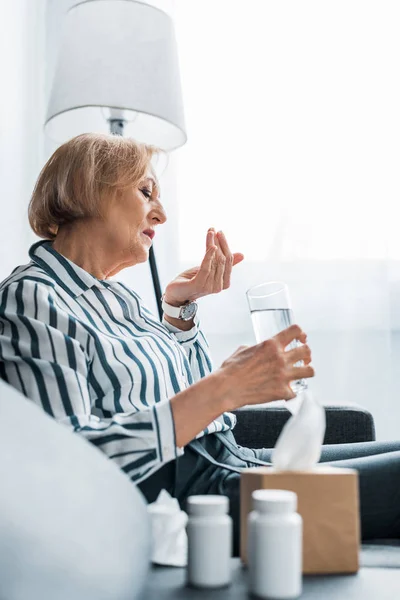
329	504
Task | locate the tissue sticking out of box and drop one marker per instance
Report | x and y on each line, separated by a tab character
299	445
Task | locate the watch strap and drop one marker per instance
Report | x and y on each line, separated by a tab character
172	311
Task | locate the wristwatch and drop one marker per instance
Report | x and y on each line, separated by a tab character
186	312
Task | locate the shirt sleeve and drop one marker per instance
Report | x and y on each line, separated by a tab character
196	347
42	355
184	337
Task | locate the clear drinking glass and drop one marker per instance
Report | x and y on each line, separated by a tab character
271	312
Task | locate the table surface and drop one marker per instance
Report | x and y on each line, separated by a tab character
370	583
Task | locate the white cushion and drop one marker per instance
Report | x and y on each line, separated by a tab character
72	525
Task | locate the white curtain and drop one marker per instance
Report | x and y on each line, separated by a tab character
22	41
293	116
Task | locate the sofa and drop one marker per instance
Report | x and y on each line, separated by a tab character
72	525
259	426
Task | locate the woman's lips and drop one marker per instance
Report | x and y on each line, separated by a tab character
149	233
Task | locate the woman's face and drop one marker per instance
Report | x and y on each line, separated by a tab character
131	220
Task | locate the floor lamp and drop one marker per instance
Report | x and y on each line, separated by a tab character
118	72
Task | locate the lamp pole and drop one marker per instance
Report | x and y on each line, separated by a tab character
117	128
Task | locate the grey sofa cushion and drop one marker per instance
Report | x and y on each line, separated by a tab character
260	426
72	525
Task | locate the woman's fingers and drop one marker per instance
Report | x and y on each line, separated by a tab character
296	373
228	259
237	258
206	266
211	248
220	266
223	260
288	394
211	278
300	353
214	282
210	239
287	336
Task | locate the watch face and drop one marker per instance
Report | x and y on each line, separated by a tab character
188	311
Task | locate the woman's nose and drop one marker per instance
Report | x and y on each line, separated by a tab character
159	214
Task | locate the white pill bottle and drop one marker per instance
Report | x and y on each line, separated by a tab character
209	531
274	545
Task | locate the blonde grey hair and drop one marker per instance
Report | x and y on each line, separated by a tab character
80	174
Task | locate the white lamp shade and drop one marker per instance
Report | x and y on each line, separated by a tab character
118	54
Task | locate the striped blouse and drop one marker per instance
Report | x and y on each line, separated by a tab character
97	360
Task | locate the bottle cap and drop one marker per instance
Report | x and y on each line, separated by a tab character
274	501
207	505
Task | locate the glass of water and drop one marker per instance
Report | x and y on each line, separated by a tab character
271	312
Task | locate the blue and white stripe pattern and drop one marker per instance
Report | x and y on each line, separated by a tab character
96	359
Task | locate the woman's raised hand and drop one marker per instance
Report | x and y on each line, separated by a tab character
211	277
262	373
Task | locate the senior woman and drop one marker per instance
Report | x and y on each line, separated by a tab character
84	347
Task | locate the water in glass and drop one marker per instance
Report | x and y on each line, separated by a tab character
270	321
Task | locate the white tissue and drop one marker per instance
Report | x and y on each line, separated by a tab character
294	404
299	445
168	527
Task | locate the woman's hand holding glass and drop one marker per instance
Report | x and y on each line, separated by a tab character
263	373
211	277
252	375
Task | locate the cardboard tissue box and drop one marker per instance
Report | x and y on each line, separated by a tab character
328	497
329	505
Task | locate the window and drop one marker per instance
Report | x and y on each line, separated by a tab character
293	121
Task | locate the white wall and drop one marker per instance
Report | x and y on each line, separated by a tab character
21	117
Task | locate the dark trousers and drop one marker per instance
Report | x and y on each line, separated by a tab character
212	465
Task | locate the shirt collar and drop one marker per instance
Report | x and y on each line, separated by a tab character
73	279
